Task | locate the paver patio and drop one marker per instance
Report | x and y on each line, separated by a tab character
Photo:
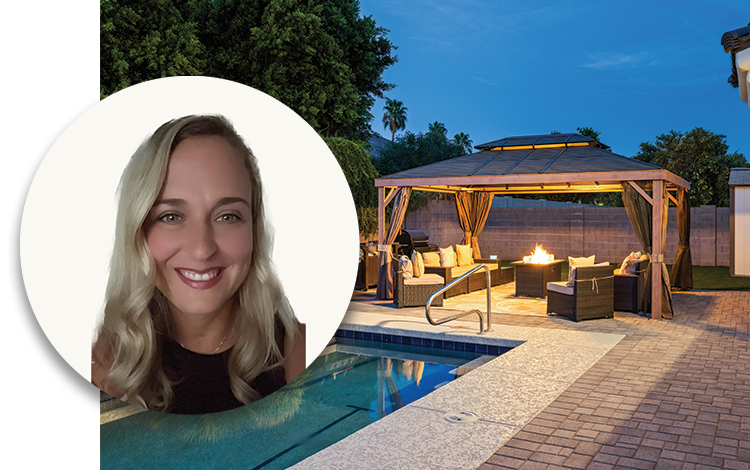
671	394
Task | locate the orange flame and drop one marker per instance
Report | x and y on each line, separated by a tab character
539	256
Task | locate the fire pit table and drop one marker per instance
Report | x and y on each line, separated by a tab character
532	278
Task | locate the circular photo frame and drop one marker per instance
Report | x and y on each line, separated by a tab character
68	224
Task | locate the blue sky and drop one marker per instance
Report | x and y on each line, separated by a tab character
630	70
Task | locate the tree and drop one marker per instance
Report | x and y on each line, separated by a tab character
700	157
142	40
437	128
319	57
360	174
414	150
394	117
464	141
589	132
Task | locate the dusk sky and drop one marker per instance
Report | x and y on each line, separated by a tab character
629	70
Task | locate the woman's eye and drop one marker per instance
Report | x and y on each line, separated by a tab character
229	218
169	218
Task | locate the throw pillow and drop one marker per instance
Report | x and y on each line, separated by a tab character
407	269
447	257
573	262
463	252
630	262
431	258
416	261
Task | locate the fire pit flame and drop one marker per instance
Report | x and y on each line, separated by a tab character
539	256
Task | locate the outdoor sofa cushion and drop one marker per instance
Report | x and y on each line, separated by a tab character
425	279
560	287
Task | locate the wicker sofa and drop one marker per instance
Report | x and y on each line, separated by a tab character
591	296
415	291
477	280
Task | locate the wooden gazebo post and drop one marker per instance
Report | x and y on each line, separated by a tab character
657	257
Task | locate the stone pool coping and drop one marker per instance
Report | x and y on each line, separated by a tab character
505	394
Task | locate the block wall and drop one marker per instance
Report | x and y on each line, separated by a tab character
575	230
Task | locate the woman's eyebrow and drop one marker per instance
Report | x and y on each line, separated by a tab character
225	201
170	202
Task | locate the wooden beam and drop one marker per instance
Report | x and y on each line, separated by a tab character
381	215
391	194
643	193
657	257
672	198
535	178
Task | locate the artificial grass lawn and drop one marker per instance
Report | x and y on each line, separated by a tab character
704	277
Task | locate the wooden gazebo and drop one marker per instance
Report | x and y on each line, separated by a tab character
554	163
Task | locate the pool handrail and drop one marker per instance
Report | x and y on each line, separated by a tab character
468	312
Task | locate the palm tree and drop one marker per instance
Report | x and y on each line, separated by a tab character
464	141
437	128
394	116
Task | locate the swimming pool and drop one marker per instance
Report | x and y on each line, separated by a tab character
357	380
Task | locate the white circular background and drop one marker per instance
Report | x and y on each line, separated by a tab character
67	229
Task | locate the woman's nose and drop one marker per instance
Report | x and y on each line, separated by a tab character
201	242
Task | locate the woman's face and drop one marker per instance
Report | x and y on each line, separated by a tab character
200	230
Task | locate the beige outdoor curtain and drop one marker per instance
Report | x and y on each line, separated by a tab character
473	209
682	269
385	276
640	216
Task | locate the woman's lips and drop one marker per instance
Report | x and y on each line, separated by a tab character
200	279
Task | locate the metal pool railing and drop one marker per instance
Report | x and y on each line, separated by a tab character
468	312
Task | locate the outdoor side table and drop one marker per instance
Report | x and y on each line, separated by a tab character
532	278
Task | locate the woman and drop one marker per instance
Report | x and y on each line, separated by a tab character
195	319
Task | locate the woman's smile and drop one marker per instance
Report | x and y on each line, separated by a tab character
196	280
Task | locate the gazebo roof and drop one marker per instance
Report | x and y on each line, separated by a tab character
533	164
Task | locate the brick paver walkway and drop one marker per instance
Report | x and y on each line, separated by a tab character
671	394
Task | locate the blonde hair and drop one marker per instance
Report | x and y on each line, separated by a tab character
136	314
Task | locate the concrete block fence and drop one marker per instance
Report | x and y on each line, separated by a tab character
574	230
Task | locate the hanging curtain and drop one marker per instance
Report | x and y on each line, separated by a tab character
640	215
385	276
473	209
682	269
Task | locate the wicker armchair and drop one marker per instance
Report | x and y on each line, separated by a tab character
629	289
592	295
415	291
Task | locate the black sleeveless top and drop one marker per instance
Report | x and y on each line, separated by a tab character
201	381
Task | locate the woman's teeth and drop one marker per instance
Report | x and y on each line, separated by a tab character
199	277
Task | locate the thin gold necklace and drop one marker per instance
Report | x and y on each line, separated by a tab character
217	347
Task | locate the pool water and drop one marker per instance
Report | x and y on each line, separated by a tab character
353	383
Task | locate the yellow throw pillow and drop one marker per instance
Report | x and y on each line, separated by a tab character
447	257
431	258
463	252
416	261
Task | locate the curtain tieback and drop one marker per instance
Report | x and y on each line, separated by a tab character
384	248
